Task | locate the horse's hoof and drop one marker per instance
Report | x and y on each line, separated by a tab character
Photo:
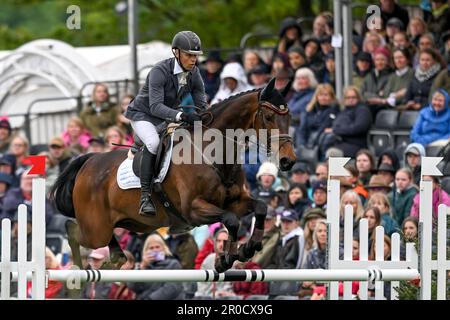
224	262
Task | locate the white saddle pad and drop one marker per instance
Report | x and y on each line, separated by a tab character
126	179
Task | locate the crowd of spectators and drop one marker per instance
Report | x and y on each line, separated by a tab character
404	65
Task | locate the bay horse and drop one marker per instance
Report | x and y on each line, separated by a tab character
202	193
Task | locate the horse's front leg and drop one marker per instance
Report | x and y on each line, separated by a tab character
206	213
248	205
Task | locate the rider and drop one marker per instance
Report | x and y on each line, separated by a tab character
166	85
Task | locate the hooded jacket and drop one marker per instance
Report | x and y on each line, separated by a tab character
431	126
236	71
416	170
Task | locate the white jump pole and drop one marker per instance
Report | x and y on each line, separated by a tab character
38	238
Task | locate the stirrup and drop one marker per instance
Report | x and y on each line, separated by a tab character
145	203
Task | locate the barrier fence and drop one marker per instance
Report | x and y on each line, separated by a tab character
347	270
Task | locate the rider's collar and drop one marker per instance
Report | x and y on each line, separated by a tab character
177	68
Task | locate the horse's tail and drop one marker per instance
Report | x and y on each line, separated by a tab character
61	192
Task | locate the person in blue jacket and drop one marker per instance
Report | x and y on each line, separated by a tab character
433	124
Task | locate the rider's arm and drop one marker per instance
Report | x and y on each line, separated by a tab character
156	82
198	90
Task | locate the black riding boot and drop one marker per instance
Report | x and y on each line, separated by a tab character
146	207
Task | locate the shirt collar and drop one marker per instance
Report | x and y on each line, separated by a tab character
177	68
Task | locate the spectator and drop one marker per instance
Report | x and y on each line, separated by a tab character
97	144
373	41
114	138
401	41
365	163
362	68
319	188
19	147
377	184
215	289
123	237
321	172
122	122
325	44
398	81
297	199
416	28
439	197
410	229
211	74
5	183
374	84
304	85
387	251
393	26
76	137
290	35
357	185
389	156
330	70
297	58
401	198
308	224
280	61
271	237
373	216
7	165
232	81
439	20
266	177
5	135
432	127
58	154
419	88
314	57
97	290
100	113
157	256
352	124
317	257
245	289
184	249
442	80
381	201
350	198
54	289
283	78
300	173
258	76
413	154
251	60
288	254
321	24
120	290
387	172
208	245
23	194
319	116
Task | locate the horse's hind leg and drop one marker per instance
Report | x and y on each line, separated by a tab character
73	233
117	257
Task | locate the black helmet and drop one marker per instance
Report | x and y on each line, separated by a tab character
187	41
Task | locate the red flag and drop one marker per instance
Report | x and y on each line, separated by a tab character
37	164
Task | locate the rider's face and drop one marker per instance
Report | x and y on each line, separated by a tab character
188	60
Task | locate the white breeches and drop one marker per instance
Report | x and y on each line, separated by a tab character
146	131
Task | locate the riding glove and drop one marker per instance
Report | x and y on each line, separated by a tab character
190	117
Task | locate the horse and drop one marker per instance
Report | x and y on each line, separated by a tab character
204	193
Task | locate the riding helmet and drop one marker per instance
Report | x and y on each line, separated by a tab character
187	41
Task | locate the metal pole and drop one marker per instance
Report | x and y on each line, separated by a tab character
132	41
338	49
347	20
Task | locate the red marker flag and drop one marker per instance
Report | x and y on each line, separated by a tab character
37	164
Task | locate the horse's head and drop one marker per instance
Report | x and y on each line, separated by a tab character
273	113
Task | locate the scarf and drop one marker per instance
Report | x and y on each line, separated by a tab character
402	72
422	76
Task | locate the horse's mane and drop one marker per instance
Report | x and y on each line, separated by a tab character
219	106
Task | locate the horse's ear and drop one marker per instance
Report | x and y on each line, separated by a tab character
286	89
266	93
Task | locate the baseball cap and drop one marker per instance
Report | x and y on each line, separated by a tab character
98	140
6	178
319	184
300	167
4	123
7	159
289	215
100	253
414	150
57	142
395	22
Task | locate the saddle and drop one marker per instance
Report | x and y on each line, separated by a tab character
135	151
